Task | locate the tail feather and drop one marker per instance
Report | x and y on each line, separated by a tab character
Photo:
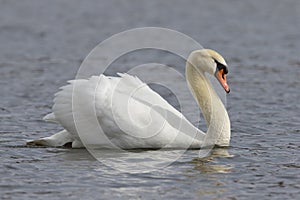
50	118
60	139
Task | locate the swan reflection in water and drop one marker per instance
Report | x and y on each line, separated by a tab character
208	165
141	160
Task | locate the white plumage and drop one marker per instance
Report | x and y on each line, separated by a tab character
130	114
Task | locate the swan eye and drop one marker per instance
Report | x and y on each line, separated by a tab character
221	66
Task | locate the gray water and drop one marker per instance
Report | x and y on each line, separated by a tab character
42	44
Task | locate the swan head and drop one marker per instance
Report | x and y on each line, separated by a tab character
211	62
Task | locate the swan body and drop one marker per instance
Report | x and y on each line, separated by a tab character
131	115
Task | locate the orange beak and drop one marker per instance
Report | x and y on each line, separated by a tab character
221	76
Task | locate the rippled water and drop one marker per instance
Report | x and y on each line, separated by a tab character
43	44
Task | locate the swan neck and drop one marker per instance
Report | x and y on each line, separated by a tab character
213	110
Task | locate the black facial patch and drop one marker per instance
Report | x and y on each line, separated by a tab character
221	66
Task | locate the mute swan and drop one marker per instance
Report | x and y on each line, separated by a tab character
126	133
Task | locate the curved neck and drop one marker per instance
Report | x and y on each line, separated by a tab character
214	112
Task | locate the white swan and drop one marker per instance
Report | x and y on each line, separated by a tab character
136	130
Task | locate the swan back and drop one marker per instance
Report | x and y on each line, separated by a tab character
130	114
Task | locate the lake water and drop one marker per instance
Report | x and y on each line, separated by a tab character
43	44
